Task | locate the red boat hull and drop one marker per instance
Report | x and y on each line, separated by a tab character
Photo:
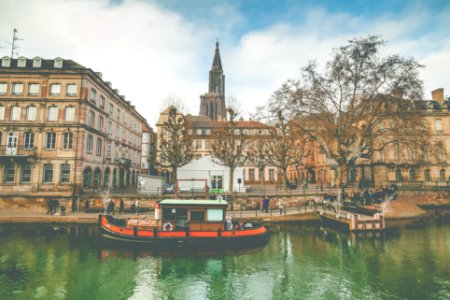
111	231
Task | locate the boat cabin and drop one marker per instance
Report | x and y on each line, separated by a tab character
179	214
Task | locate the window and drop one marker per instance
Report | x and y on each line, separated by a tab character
26	173
427	175
28	140
67	140
198	145
53	113
10	172
93	95
216	182
442	175
37	61
99	147
208	131
91	119
2	112
271	174
50	140
111	108
69	113
17	88
31	113
108	150
6	61
198	216
118	114
21	62
48	173
199	131
89	144
101	102
71	89
65	173
109	129
55	89
100	123
251	174
215	215
58	64
438	125
15	113
3	88
33	89
117	131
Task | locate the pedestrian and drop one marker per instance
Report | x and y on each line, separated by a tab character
55	205
281	206
50	207
87	205
121	206
136	206
229	223
267	204
63	210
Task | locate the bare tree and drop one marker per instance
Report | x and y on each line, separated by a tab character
360	104
228	145
175	146
258	151
175	101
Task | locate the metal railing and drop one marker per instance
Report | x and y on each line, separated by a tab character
17	151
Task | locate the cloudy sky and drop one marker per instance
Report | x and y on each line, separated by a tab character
152	50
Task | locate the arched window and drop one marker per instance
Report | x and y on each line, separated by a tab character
52	113
69	113
427	175
97	177
442	175
15	113
87	177
106	178
412	175
31	113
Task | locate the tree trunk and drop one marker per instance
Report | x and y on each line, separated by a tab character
174	174
285	180
230	181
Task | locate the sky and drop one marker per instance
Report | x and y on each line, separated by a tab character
152	50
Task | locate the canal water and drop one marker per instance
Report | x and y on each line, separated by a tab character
301	261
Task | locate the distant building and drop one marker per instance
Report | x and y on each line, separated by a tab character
212	104
64	131
148	154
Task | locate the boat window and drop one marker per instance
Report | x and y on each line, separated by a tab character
215	215
197	216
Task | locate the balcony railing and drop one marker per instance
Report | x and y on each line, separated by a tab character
17	151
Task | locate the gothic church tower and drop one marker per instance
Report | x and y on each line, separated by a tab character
212	104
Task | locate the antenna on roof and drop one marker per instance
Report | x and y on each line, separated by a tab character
14	44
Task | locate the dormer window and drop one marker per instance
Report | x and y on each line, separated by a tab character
58	63
37	62
21	62
6	61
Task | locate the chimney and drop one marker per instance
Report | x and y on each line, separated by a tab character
438	95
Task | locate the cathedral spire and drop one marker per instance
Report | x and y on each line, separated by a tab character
212	104
217	63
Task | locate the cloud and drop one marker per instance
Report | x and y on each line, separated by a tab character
151	51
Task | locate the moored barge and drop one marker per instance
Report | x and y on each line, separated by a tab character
183	223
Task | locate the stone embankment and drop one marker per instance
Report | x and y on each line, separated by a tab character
405	207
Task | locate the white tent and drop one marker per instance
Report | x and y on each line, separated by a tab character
211	170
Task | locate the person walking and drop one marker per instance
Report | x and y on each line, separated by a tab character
136	206
121	206
281	206
63	210
55	206
50	207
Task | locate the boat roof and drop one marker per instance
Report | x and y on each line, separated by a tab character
193	202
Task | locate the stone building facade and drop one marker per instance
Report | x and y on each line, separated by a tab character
64	131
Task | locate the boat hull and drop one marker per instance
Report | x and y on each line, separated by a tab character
232	239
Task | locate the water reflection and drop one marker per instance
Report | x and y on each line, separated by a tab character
301	261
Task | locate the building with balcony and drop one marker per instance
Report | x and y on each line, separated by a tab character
64	131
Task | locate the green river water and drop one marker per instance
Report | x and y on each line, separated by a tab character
301	261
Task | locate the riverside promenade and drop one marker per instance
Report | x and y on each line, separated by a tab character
402	208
